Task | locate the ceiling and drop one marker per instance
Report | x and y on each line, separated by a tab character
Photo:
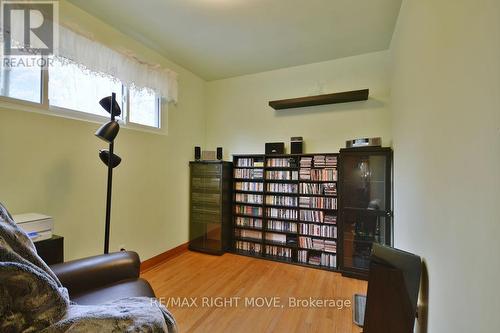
225	38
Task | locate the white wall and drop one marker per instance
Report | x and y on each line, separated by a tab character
446	135
240	120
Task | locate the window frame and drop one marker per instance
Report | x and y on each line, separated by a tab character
45	108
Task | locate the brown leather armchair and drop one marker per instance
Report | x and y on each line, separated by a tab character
103	278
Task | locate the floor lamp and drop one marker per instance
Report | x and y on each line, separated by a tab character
108	133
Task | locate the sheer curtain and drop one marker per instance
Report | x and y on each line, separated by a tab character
102	60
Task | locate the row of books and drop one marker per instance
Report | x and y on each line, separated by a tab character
248	210
282	213
243	233
318	202
282	226
255	248
249	198
318	244
279	200
317	216
282	188
249	186
282	175
323	259
322	189
249	162
249	173
278	251
248	222
278	162
318	230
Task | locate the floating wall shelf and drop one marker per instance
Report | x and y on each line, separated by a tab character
341	97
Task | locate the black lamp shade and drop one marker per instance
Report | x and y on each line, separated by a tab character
104	156
108	131
106	103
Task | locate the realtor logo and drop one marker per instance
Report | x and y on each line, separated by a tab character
29	27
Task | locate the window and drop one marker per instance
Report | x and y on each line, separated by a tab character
144	108
73	88
23	83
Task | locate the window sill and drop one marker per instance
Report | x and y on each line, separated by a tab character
26	106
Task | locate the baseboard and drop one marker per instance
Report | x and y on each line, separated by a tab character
162	257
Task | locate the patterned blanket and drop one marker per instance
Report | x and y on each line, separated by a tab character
33	300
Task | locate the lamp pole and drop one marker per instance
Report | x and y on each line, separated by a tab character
110	181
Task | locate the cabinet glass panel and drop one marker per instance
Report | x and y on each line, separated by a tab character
365	181
360	231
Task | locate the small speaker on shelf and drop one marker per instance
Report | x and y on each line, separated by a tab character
273	148
296	145
197	153
219	153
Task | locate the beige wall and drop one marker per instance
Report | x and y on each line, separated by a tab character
446	134
50	165
240	120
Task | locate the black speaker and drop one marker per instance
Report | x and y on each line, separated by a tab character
296	145
275	148
197	153
219	153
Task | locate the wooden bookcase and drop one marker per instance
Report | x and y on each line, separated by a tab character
279	215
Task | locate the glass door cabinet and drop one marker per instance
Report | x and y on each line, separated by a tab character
365	206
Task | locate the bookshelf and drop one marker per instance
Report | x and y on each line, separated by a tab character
285	208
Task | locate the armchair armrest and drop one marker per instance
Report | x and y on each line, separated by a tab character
94	272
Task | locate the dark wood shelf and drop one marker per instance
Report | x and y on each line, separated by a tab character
335	98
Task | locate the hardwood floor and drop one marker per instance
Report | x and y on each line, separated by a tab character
193	278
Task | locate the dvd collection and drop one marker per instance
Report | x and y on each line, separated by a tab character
248	246
318	189
318	202
278	238
282	175
329	231
278	162
248	222
243	233
249	162
249	173
278	251
282	226
315	237
248	198
249	186
278	200
324	175
323	259
318	244
282	213
282	188
248	210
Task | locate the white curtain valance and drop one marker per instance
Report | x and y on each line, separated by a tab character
127	68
